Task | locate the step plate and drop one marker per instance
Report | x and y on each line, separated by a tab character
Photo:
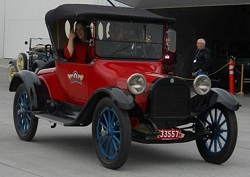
55	119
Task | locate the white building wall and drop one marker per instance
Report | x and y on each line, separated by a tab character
2	5
24	19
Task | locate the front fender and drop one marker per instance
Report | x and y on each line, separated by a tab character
216	95
227	99
14	63
31	82
122	99
38	63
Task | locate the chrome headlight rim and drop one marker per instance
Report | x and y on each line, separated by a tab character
202	84
136	83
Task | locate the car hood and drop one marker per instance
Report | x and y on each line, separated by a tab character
122	70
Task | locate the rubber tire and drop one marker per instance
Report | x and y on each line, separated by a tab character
11	72
125	134
218	156
21	61
25	122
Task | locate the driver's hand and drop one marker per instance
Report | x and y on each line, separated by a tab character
72	35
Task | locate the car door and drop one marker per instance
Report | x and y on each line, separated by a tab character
74	80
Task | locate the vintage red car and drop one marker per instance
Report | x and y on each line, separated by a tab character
123	91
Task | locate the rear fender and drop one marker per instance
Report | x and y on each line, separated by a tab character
31	82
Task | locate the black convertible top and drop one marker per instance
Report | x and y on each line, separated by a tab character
75	11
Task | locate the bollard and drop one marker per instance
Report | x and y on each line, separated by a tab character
231	76
241	80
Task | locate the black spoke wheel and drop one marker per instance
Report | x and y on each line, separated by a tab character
25	122
111	133
218	144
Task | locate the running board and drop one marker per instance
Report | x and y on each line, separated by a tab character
65	121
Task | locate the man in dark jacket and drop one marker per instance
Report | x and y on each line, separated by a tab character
202	61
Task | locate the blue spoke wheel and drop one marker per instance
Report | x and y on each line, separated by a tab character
111	133
221	126
25	122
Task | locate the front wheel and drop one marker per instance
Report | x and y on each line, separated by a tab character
21	61
25	122
11	72
219	142
111	133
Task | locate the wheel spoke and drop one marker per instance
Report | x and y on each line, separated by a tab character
107	147
215	115
211	117
109	118
209	123
25	124
117	131
223	123
219	143
112	148
104	126
215	145
105	119
19	121
116	139
114	145
224	131
210	145
103	140
219	119
223	138
113	117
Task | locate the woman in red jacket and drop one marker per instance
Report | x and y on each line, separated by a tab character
77	48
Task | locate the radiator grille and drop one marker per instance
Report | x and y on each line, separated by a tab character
169	99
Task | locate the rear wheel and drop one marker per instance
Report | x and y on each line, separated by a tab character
218	145
11	72
21	61
111	134
25	122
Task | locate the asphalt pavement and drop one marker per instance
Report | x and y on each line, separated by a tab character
69	152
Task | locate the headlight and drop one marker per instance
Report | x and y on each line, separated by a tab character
202	84
136	83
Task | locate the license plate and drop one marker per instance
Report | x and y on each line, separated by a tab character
169	134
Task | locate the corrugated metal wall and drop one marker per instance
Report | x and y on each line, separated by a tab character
21	20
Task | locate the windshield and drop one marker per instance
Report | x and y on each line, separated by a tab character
129	40
38	43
